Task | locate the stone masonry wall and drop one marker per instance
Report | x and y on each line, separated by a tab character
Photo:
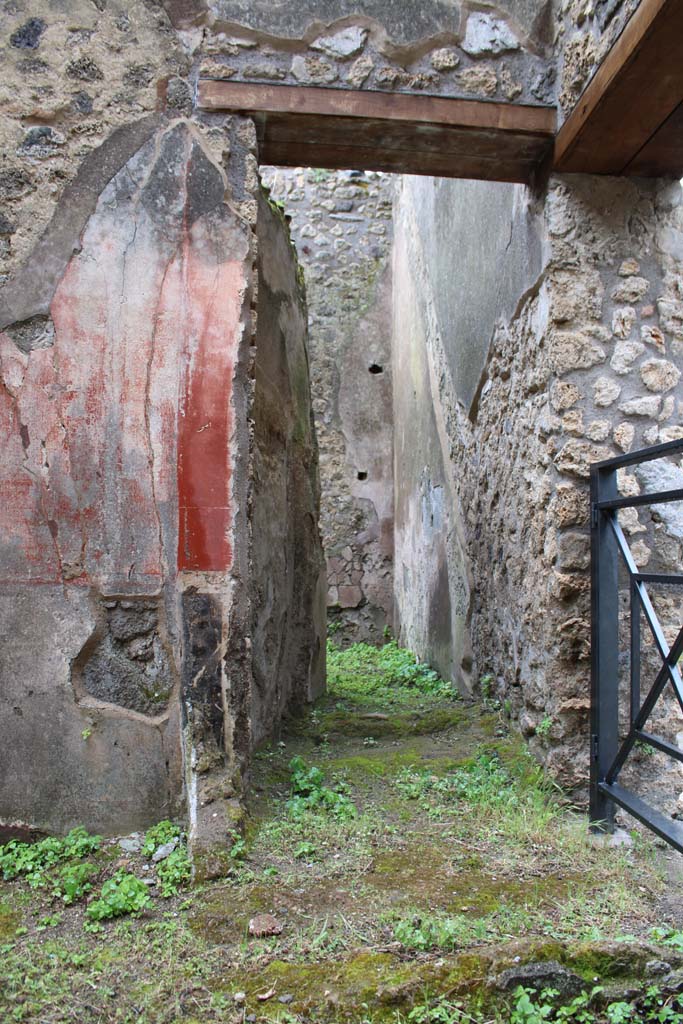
72	74
435	47
587	366
287	562
341	224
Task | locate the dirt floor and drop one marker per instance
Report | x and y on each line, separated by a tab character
403	858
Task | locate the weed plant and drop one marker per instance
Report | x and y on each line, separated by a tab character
160	834
310	794
122	894
35	861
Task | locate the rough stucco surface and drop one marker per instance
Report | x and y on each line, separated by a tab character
500	257
341	224
587	366
288	568
403	23
432	583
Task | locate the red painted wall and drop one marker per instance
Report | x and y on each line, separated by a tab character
115	458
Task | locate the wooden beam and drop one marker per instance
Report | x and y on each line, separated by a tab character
491	168
342	128
387	106
632	94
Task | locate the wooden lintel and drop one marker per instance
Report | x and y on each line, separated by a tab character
632	95
397	107
343	128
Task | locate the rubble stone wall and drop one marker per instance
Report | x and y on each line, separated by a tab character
586	32
438	48
588	365
341	224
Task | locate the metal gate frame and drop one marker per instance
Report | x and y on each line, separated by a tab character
608	753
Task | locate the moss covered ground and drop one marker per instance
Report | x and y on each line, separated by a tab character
410	851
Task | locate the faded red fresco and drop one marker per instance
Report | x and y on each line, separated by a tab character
115	441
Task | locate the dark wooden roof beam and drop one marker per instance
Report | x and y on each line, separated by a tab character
406	134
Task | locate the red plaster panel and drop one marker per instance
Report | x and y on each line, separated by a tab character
214	296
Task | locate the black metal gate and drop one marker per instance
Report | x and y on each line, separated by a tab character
609	753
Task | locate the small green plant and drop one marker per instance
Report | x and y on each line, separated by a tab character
164	832
527	1009
174	873
442	1011
86	733
48	921
305	851
433	932
544	726
669	937
74	881
580	1009
238	850
483	781
486	683
619	1013
33	861
310	794
490	702
653	1007
122	894
319	175
387	674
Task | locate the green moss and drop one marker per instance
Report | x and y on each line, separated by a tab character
384	764
211	862
368	983
396	725
10	919
376	985
607	961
